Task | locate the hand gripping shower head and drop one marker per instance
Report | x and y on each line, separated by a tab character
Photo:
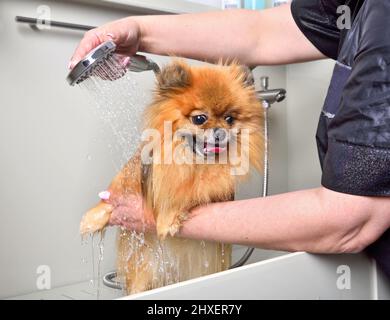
100	56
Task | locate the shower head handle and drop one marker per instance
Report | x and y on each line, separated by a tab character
139	63
99	56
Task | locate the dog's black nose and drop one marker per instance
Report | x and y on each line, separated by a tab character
219	134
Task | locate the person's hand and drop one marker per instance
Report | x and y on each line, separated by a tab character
129	212
125	33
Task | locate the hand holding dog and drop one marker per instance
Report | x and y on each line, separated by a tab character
127	212
130	214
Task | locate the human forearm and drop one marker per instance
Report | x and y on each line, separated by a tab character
253	37
316	220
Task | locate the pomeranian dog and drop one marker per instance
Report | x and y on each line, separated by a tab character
208	124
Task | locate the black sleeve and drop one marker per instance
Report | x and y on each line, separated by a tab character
317	19
358	157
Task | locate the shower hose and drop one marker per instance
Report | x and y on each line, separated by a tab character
245	257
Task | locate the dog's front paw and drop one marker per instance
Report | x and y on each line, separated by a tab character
172	229
96	218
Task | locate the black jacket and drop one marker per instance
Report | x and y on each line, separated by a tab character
353	135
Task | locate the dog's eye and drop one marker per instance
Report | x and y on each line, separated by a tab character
199	119
229	120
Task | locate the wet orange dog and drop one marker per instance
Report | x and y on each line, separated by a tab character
212	111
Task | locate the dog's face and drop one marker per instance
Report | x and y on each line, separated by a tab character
207	106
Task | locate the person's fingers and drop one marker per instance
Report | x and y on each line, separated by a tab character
105	195
125	33
91	40
120	217
130	213
123	60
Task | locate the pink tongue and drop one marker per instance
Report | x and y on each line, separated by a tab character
214	149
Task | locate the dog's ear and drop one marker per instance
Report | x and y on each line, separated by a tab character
173	77
242	73
247	76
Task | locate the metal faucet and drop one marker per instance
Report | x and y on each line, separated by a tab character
267	96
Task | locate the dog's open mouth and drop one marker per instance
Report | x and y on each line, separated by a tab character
204	148
213	148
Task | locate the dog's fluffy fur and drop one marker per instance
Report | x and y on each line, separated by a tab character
171	190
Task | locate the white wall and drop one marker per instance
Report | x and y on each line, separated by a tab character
46	133
307	84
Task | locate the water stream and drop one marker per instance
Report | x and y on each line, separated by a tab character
119	101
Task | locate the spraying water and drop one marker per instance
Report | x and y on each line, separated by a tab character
119	104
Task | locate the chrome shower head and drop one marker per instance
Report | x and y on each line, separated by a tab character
85	67
99	56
